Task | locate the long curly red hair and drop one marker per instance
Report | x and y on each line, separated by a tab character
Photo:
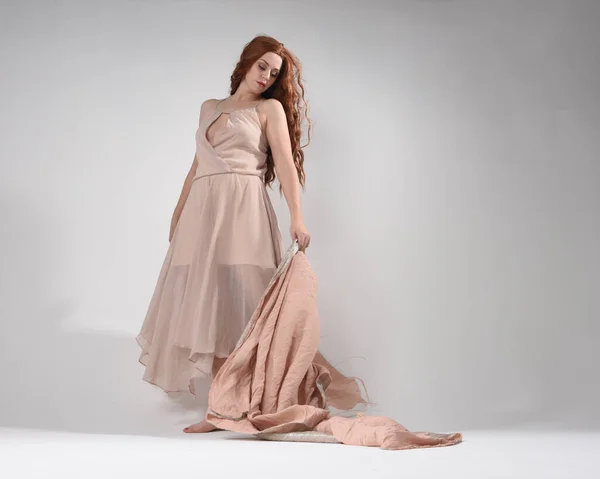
288	88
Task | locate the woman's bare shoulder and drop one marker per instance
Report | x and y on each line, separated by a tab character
273	109
272	103
207	105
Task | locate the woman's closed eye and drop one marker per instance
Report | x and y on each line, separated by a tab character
274	75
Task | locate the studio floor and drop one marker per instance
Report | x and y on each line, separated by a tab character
29	453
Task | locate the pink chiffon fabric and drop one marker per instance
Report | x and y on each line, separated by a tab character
224	251
277	385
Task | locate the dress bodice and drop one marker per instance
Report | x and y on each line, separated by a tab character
238	146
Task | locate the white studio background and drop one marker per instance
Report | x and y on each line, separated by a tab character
453	196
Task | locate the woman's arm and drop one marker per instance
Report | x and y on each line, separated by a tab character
187	184
278	137
185	191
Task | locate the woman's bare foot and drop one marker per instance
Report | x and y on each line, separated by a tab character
202	426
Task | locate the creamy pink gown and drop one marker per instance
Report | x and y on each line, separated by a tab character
224	251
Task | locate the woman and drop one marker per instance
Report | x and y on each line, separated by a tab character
225	243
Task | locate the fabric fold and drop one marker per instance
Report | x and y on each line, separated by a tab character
277	385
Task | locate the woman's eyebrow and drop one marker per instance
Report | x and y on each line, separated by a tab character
262	60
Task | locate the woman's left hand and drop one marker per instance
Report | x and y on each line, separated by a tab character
298	231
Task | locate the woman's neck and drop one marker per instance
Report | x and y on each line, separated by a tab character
242	95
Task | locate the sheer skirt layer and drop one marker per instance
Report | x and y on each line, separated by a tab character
224	251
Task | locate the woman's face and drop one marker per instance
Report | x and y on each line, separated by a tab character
264	72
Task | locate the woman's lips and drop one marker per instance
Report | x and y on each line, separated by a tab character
261	84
